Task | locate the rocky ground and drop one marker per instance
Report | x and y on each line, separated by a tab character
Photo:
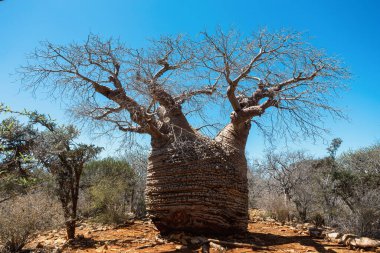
142	236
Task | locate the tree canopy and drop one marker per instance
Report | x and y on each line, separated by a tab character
166	85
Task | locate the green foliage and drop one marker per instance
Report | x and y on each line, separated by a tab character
24	148
16	144
359	171
109	185
334	146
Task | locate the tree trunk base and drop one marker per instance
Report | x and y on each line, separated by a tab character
198	222
70	229
197	190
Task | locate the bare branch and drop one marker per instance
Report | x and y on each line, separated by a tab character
154	87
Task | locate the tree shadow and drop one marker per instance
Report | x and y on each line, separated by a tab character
266	240
262	242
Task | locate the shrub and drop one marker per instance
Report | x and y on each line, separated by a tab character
108	190
23	216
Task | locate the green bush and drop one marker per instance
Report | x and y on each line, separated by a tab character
108	190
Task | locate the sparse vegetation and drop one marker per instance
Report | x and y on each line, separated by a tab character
341	191
108	185
26	215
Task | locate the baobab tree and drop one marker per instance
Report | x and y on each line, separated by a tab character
196	182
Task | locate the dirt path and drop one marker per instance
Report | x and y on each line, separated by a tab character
142	236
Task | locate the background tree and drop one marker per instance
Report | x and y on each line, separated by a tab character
137	157
324	170
195	182
290	175
357	183
109	184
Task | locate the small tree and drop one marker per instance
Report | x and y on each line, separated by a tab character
324	170
54	148
65	160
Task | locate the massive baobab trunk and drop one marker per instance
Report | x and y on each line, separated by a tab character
199	185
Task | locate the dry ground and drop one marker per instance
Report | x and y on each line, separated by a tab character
142	236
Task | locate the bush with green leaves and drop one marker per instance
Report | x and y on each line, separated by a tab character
108	190
357	183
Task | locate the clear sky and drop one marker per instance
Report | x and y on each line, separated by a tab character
347	28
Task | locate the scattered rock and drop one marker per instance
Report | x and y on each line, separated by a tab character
364	243
57	250
217	247
198	240
343	240
39	245
159	240
102	248
315	232
59	241
333	236
307	225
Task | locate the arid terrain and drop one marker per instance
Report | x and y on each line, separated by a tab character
142	236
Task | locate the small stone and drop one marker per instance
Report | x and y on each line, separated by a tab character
39	245
102	248
333	236
217	247
57	250
60	241
315	232
343	240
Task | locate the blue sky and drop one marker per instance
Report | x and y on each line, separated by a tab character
348	29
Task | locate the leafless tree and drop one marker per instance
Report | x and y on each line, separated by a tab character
195	182
291	175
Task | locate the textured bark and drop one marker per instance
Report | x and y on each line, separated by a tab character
70	229
198	185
